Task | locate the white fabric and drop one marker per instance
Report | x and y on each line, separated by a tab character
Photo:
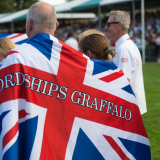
128	59
72	42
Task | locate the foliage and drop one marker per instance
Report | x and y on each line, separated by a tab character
15	5
151	119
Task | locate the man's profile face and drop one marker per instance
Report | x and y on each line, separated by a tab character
112	29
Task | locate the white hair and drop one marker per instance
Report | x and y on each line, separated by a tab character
121	16
43	19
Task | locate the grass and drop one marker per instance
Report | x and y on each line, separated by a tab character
151	119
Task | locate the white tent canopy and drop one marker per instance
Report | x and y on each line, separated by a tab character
69	5
8	17
75	15
2	15
107	2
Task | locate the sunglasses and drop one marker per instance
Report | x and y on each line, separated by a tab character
109	23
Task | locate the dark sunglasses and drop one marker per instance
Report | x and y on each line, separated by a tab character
109	23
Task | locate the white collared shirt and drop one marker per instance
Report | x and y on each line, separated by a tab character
128	59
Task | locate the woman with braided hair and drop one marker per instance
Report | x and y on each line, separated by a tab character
95	45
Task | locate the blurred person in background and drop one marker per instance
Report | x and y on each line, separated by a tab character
5	46
136	39
128	57
158	46
95	45
158	40
71	41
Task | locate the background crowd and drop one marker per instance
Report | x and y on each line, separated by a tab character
152	31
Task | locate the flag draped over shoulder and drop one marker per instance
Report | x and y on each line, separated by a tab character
55	103
17	38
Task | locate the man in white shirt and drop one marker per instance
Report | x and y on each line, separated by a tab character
128	57
71	41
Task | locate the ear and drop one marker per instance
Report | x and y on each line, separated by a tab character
120	25
89	54
30	24
57	24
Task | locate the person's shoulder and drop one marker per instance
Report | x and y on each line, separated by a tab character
126	49
128	45
123	47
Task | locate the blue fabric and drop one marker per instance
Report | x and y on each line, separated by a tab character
102	66
21	149
128	89
2	35
12	152
1	118
42	42
85	149
138	150
27	132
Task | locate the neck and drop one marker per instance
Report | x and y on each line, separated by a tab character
120	35
36	32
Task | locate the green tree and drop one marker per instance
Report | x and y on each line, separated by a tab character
15	5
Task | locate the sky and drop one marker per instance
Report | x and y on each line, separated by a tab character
54	2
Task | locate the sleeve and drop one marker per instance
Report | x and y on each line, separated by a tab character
124	62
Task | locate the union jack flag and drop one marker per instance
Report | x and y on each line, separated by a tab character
124	60
56	103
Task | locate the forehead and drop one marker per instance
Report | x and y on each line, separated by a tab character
111	18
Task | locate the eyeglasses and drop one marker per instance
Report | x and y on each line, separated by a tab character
109	23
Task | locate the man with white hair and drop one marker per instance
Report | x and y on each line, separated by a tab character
128	57
41	17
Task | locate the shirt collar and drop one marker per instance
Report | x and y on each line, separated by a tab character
122	39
